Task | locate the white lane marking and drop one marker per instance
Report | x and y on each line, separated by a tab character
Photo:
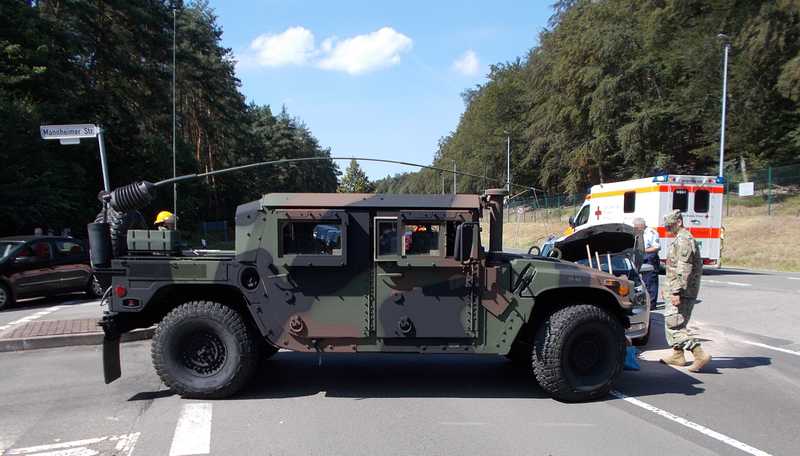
721	282
193	432
757	344
462	423
793	278
691	425
80	451
30	318
125	446
127	443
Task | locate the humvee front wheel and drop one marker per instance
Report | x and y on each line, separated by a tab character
204	350
578	353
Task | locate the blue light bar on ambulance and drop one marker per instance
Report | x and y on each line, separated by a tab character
720	179
660	178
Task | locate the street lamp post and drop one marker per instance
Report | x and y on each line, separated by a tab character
727	45
508	163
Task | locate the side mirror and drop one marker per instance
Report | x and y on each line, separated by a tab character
647	267
467	242
572	221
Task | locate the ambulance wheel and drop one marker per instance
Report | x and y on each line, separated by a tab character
578	353
205	350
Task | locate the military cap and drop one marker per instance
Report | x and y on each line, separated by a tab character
672	218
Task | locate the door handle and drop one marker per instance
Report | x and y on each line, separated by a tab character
390	274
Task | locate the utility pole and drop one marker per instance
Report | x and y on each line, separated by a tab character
454	177
727	45
174	129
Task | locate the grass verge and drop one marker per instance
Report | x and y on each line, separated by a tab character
755	242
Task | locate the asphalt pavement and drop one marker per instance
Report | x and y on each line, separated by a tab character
53	401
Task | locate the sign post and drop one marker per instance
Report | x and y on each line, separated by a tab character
72	134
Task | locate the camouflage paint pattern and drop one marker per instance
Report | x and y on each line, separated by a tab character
355	301
684	265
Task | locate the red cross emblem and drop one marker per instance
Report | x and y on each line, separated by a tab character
598	213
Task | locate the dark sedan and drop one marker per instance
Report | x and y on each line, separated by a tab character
32	266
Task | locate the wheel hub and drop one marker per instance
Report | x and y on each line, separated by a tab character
586	354
203	353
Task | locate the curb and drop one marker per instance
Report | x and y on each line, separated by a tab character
69	340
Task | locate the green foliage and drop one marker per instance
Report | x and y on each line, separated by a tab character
110	62
355	180
618	89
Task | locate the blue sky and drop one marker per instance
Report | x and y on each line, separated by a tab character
372	78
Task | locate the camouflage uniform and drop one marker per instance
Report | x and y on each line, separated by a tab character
684	268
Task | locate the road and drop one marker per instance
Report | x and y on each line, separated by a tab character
54	402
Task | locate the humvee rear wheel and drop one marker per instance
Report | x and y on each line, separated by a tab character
204	350
578	353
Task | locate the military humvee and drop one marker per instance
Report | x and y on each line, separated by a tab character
361	273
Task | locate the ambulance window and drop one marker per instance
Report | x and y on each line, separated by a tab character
630	202
583	216
680	199
701	198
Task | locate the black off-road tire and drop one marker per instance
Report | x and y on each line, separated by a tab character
6	296
578	353
94	289
119	224
205	350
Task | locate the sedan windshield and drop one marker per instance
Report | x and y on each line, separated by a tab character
7	247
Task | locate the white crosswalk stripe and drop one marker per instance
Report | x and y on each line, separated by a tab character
193	432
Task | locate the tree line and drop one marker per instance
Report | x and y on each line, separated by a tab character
110	62
616	89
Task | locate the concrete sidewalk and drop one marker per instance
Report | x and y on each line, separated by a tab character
60	333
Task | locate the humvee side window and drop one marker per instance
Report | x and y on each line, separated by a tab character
450	239
421	239
680	199
386	238
311	238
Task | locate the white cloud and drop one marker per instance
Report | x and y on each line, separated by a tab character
468	64
295	46
363	53
355	55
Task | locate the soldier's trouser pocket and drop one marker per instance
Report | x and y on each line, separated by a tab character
674	321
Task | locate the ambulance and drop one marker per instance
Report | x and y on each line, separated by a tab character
700	198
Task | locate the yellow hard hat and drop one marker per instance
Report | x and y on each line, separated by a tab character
163	216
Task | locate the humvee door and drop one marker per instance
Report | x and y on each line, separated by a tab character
420	291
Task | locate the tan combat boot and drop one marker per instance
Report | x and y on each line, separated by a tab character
701	358
676	359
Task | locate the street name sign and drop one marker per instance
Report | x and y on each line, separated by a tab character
69	132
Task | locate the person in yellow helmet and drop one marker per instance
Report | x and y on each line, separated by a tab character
165	220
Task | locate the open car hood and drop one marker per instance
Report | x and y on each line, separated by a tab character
608	238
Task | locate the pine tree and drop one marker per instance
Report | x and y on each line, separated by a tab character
355	180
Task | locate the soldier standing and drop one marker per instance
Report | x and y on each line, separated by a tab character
684	268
